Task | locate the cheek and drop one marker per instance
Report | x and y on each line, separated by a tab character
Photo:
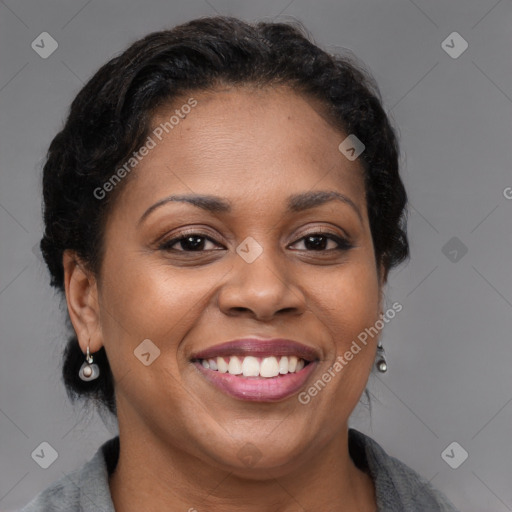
349	305
151	301
148	309
348	300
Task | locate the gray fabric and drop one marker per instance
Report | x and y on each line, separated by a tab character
398	487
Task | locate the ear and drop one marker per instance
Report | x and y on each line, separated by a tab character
82	301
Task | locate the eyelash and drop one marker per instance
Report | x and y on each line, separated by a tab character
343	243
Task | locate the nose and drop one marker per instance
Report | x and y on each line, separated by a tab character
261	289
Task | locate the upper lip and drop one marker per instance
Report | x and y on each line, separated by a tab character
259	347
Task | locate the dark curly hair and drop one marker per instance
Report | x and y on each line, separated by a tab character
110	118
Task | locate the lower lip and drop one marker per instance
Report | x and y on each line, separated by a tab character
258	389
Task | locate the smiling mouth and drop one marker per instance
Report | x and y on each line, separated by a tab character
255	367
258	379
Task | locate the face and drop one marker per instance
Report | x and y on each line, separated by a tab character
284	251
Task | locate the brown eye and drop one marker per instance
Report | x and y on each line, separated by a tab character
320	242
193	242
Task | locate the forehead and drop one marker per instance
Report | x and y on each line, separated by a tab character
243	143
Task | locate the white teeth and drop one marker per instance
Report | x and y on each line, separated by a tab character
222	366
251	366
283	365
234	366
269	367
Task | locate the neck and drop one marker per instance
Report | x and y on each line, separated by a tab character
152	475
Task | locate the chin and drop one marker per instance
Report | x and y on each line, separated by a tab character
257	459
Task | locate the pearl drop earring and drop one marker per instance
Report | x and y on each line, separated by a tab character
88	370
380	361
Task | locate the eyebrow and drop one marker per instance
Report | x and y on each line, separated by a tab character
295	203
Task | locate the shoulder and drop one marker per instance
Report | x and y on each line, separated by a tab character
61	495
85	489
398	487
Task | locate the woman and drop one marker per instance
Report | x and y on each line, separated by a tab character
222	209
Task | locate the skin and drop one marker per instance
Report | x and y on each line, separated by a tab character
179	435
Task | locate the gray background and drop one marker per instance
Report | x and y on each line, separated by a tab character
449	352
